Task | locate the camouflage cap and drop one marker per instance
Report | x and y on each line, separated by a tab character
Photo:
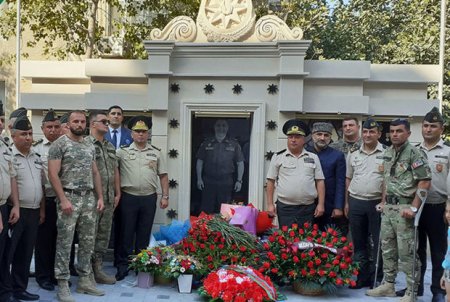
140	122
434	116
295	126
22	123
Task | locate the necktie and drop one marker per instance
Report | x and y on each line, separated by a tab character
114	138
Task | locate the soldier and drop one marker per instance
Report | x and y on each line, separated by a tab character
73	174
333	167
405	171
217	158
299	179
22	111
350	141
46	238
429	225
364	188
106	161
30	179
141	164
9	214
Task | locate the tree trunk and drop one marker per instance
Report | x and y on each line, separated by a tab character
92	27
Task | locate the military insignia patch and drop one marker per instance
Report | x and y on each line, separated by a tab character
417	164
309	160
380	168
439	167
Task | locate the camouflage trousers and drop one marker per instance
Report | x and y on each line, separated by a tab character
103	231
83	218
397	245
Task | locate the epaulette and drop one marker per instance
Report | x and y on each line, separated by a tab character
156	148
447	143
124	146
417	145
279	152
37	142
37	154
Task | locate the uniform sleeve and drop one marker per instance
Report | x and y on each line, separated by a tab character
201	151
55	152
274	166
419	166
162	166
239	156
349	168
318	173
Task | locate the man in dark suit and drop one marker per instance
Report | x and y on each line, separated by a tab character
118	136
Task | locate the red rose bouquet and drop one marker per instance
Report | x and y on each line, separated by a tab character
214	242
309	255
238	284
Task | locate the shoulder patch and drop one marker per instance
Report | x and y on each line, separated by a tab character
417	164
154	147
38	142
447	143
279	152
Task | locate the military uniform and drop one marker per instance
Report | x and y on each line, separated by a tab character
30	178
6	172
139	174
403	169
219	160
346	147
295	179
365	172
106	160
76	178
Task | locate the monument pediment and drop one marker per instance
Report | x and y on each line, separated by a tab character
227	21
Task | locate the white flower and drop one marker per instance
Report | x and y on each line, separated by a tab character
182	270
239	280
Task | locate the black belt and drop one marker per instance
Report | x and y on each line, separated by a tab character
78	192
394	200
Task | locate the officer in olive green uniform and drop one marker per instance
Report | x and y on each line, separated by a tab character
73	174
141	165
8	215
405	171
106	160
350	141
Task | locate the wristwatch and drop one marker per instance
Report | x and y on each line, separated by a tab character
165	196
414	209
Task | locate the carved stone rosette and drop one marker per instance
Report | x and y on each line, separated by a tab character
271	28
181	29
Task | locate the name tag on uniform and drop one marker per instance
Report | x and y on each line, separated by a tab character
150	154
209	148
380	157
309	160
442	156
229	148
387	158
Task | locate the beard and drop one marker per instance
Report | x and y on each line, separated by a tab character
77	131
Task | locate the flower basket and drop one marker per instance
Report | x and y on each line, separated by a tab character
146	261
308	289
145	280
185	283
310	256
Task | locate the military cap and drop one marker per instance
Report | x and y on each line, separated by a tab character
22	123
64	118
371	123
322	127
22	111
434	116
140	122
50	116
295	126
400	121
2	112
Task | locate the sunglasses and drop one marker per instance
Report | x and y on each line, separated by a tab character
104	122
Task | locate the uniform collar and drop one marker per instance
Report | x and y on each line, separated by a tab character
304	153
45	141
134	147
378	148
15	152
440	144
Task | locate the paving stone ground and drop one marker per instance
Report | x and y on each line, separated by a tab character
126	291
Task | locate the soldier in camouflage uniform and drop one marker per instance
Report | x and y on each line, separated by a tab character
8	215
73	174
106	160
405	171
351	140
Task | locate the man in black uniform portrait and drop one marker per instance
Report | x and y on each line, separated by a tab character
218	160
